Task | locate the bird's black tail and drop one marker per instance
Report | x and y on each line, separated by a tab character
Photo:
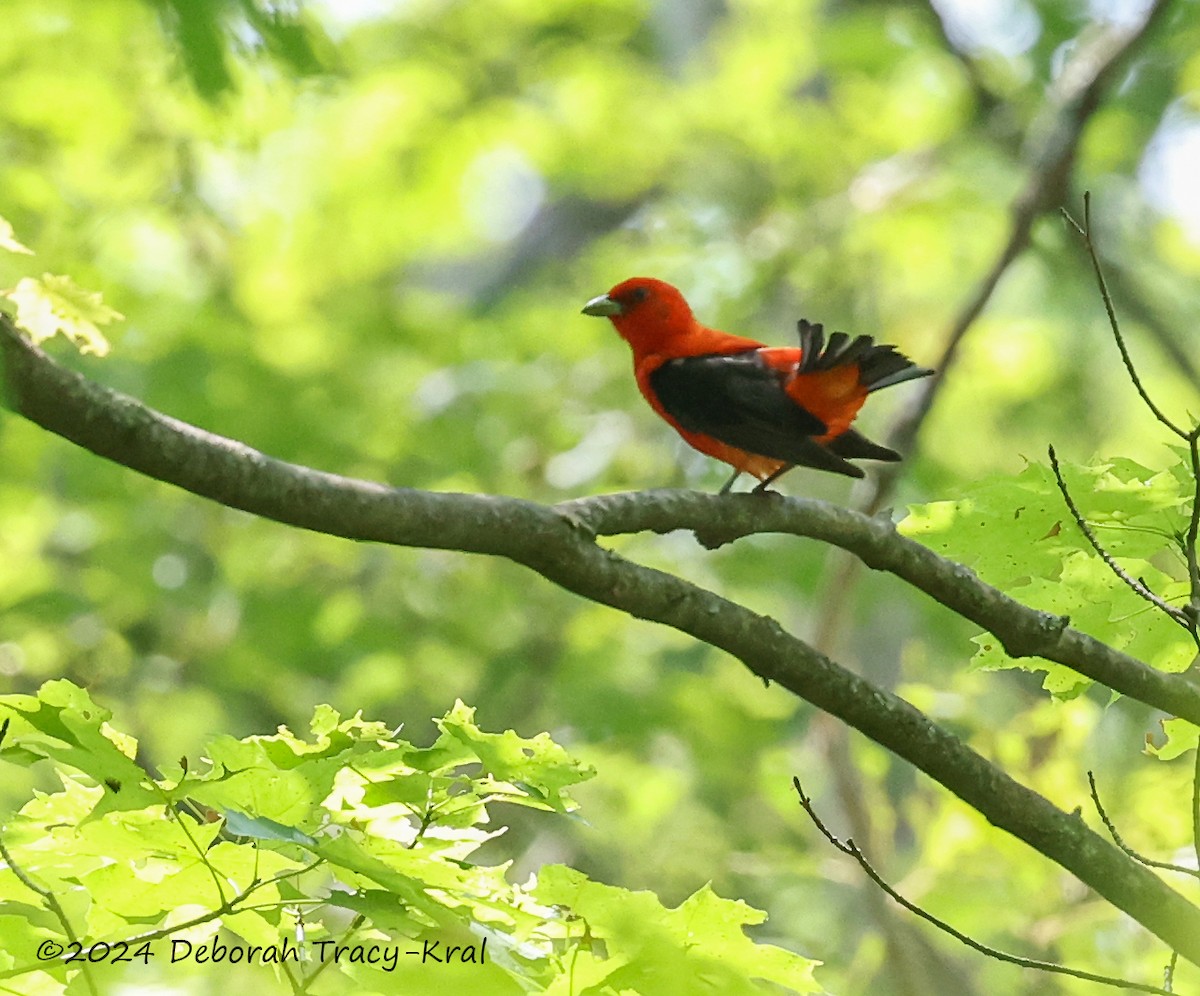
878	365
853	445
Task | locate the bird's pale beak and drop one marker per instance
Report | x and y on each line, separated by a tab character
602	307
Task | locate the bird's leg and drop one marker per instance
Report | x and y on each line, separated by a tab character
729	484
761	487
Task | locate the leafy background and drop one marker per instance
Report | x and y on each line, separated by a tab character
357	236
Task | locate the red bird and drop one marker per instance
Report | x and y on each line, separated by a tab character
761	409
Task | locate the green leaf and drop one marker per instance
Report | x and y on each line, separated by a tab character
384	909
1018	535
1182	736
394	827
534	772
64	725
280	777
55	304
21	939
261	828
699	946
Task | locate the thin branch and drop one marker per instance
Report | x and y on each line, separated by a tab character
1189	548
1196	809
227	908
850	848
1149	862
1192	611
559	544
55	907
187	832
1146	307
1085	232
1139	588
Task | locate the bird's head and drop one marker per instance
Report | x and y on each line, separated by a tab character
645	311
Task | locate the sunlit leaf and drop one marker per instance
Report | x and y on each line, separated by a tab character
532	772
700	946
1182	736
54	304
1018	534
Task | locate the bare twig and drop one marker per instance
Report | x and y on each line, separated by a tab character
1149	862
850	848
1146	308
1191	613
1139	588
1085	232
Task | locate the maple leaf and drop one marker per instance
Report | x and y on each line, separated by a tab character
55	304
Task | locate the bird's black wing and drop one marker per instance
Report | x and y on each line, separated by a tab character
740	400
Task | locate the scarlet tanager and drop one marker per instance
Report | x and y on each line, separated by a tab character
761	409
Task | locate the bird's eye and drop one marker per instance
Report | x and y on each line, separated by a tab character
638	294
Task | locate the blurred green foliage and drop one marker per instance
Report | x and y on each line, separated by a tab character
357	236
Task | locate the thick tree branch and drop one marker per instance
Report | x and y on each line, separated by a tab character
1022	631
559	544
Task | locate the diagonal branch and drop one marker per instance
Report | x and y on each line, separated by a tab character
559	544
1119	841
1053	140
1022	631
52	903
851	849
1085	232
